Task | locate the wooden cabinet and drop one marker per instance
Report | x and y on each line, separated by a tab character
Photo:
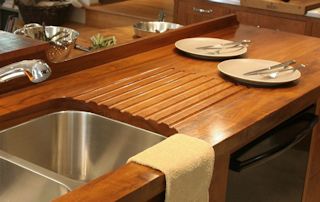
272	22
191	11
316	28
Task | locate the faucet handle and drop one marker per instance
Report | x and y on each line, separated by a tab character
36	70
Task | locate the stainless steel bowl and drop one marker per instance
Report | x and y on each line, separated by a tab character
148	28
61	39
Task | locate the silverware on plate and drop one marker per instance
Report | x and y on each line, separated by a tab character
283	65
225	45
225	51
275	73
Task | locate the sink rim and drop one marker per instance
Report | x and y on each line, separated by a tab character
82	112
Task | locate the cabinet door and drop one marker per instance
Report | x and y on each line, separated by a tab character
189	11
272	22
316	28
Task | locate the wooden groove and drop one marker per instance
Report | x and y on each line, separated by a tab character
126	71
115	74
130	103
131	87
174	98
233	99
182	115
147	89
188	101
125	79
136	90
149	103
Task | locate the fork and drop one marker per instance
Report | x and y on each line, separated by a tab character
225	45
275	74
218	51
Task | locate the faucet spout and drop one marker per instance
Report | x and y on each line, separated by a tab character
36	70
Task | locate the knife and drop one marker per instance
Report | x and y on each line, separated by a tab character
226	45
259	71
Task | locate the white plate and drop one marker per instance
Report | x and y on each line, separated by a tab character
189	45
237	67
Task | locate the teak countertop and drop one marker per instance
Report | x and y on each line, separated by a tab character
165	91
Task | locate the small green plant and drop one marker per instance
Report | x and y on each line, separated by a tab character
99	41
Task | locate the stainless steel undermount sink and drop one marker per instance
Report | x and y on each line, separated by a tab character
73	147
20	184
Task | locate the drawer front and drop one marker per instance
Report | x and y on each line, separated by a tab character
272	22
191	12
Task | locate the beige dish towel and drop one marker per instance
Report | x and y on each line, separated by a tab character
187	163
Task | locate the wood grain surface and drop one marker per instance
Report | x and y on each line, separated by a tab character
166	91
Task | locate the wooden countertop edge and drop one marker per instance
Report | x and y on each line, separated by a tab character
28	50
150	184
24	52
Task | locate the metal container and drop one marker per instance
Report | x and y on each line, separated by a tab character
142	29
61	39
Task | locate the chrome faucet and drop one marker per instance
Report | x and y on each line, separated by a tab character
36	70
161	16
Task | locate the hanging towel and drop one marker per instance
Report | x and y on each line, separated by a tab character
187	163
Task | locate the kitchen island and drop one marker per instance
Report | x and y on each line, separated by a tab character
150	84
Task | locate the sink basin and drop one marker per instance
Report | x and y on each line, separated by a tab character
75	144
20	184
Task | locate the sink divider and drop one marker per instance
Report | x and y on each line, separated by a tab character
70	184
